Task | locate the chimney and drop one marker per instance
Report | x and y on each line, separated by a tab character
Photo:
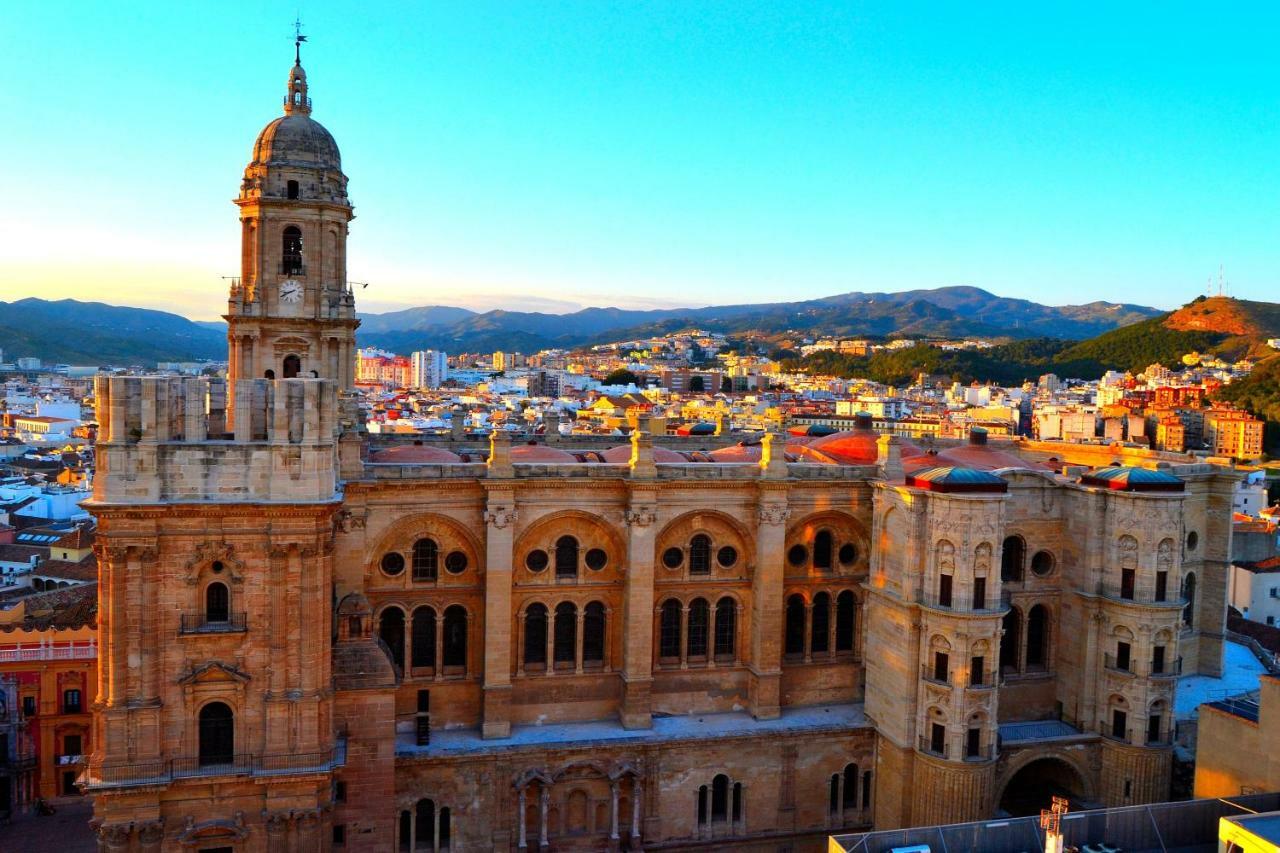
862	420
458	423
977	436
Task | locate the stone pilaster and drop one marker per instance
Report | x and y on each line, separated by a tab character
766	602
637	643
500	519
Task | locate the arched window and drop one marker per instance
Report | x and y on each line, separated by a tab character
268	374
719	798
702	805
593	633
820	632
455	636
391	632
444	829
737	801
1038	637
699	615
700	555
1011	560
833	794
217	734
425	825
291	189
292	366
406	830
426	560
291	250
566	557
566	629
850	796
535	634
726	627
1189	593
217	603
669	630
822	551
845	621
424	637
1010	640
794	644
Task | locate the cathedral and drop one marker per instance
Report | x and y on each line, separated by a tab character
313	638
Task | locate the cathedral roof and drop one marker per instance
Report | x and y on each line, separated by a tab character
622	453
296	140
415	454
949	478
1129	479
978	454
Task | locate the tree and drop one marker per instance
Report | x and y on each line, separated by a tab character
622	376
697	385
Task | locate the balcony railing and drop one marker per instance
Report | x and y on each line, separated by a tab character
16	763
1111	663
199	623
193	767
984	753
958	603
1169	669
1108	732
929	674
927	746
48	651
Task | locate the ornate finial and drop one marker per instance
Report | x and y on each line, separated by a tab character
295	99
298	39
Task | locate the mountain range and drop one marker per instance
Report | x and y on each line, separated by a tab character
92	333
945	311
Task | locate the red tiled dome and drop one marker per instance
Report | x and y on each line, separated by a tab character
852	447
622	453
540	453
415	454
740	452
981	456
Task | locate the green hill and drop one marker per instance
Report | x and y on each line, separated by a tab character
1146	342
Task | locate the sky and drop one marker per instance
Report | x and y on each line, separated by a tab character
553	155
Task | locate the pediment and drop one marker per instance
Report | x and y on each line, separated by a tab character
215	672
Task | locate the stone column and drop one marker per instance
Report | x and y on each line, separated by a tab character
636	791
766	603
637	615
613	812
522	842
577	651
544	800
499	534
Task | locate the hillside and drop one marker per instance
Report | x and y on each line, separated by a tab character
1259	393
945	311
92	333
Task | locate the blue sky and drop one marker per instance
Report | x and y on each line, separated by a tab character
560	154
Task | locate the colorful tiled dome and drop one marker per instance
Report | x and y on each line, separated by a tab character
1127	478
950	478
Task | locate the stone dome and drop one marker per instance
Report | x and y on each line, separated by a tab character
297	140
415	454
622	453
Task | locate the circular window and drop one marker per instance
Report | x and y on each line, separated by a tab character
216	568
1192	540
456	562
392	563
848	554
672	558
596	559
798	555
1042	563
727	556
536	561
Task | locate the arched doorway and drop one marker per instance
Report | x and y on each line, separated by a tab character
1035	785
292	366
217	734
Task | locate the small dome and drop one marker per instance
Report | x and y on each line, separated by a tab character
852	447
950	478
622	453
740	452
1130	479
297	140
541	453
982	456
415	454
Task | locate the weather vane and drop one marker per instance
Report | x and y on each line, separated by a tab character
298	39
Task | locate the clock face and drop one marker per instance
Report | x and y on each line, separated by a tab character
291	291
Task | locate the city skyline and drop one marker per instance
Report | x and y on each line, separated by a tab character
551	159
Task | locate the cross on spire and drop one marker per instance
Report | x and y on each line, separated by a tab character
298	39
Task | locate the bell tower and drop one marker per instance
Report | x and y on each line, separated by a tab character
292	313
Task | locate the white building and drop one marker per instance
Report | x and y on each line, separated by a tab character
1254	590
429	369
